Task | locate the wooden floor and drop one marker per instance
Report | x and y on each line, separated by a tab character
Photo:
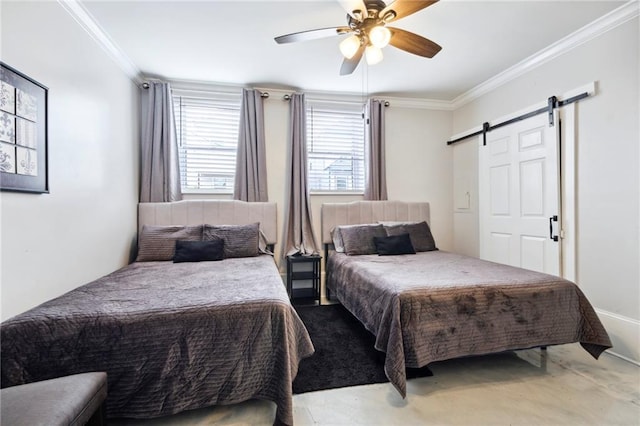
565	386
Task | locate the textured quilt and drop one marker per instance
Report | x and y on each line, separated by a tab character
436	305
171	337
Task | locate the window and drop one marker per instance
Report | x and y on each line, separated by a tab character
207	130
335	147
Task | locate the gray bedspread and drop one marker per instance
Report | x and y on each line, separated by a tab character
436	305
171	337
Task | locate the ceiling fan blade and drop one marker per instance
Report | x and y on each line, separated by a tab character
352	6
349	65
402	8
312	34
413	43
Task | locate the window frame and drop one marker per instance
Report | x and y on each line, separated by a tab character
230	100
351	108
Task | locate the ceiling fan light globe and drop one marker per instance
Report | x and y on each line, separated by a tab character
379	36
373	55
349	46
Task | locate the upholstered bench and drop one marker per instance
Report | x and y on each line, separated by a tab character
71	400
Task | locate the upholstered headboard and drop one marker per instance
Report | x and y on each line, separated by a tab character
213	212
358	212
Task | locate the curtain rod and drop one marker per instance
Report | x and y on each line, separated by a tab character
265	95
552	103
145	85
287	97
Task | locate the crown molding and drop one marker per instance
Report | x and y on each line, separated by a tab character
91	26
199	86
417	103
394	101
590	31
613	19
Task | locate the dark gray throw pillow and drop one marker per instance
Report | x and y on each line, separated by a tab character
198	251
358	239
396	244
419	232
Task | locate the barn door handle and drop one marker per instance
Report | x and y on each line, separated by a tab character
551	220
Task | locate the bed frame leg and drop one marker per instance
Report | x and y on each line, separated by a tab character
543	357
326	257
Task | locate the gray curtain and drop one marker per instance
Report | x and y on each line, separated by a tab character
159	163
251	161
298	235
375	170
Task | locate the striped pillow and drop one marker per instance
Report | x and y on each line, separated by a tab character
159	242
358	239
420	234
239	240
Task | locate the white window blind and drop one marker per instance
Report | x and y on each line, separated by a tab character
207	129
335	147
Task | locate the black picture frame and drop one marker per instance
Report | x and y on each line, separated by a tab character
23	133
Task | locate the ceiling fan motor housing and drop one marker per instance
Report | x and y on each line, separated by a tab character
362	24
367	18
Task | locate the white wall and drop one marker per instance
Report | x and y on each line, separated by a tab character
608	159
465	198
84	227
419	164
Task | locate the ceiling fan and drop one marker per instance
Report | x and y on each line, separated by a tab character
366	22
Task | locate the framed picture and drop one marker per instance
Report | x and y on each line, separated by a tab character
23	133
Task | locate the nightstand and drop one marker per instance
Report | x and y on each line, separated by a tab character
303	279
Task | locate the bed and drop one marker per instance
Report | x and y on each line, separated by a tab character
172	336
434	305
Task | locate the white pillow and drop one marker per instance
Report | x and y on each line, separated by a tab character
338	245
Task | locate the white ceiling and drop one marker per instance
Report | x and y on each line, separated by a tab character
231	42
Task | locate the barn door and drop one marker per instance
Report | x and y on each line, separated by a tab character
519	195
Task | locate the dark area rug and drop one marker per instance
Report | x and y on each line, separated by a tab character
344	355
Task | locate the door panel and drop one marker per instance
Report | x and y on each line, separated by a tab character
500	248
519	191
500	194
532	188
532	252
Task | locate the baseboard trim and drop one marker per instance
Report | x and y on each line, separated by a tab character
624	358
625	335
